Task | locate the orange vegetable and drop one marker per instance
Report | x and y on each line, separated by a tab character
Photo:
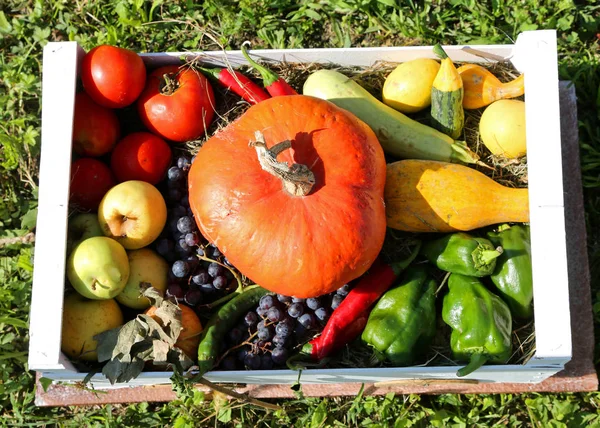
482	88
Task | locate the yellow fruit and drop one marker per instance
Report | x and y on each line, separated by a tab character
502	128
82	320
145	267
408	88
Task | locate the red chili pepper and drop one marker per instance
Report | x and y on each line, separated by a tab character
238	83
274	84
350	318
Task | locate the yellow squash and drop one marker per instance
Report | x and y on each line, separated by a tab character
481	88
408	87
502	128
432	196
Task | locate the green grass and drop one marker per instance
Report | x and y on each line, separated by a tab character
25	26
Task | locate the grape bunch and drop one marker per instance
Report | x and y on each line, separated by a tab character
191	280
276	328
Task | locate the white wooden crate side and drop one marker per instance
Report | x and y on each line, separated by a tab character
486	374
58	94
364	57
546	202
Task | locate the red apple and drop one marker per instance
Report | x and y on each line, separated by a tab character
141	156
95	128
90	180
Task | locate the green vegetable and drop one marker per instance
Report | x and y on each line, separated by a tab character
402	323
513	273
462	253
398	134
447	97
221	322
481	323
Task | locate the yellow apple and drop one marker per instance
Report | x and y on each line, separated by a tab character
98	268
82	320
145	266
134	213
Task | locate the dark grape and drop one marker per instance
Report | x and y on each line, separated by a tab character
252	361
267	301
183	163
173	226
183	247
180	269
299	330
251	319
274	314
295	310
298	300
282	329
175	174
185	224
174	195
164	247
227	262
321	314
343	290
193	159
262	324
279	355
178	211
260	344
336	301
200	252
201	278
261	312
193	297
215	269
229	363
175	290
265	333
279	341
207	288
216	252
185	200
241	354
235	335
266	362
284	299
313	303
220	282
307	320
192	261
191	239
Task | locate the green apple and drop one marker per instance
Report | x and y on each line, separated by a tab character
133	213
145	267
98	268
81	227
82	320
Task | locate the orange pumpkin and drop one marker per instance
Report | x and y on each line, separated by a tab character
302	220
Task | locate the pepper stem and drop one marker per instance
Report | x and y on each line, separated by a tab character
486	256
399	267
212	72
439	51
269	77
477	360
297	180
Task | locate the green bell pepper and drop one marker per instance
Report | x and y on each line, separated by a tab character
462	253
513	274
481	323
402	323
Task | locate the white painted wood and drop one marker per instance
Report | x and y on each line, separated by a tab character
498	373
533	53
58	94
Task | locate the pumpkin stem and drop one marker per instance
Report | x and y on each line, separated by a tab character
297	179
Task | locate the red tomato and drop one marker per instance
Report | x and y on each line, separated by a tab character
114	77
141	156
95	128
179	111
90	180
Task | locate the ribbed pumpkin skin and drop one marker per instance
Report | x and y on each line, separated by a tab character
296	246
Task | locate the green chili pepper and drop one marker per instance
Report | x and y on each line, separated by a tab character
463	254
481	323
513	274
221	322
402	323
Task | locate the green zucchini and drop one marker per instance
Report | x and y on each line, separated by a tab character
447	97
398	134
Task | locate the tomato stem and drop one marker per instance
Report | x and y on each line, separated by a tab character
168	84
